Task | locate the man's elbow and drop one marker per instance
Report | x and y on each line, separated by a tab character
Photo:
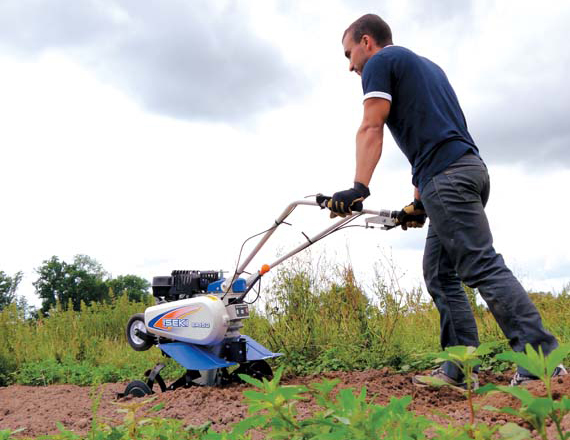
368	129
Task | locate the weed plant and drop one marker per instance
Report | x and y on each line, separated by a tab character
536	410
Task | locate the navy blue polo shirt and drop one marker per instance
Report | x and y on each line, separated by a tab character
425	118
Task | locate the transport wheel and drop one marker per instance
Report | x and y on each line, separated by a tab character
137	323
137	388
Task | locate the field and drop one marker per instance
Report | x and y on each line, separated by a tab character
37	409
68	367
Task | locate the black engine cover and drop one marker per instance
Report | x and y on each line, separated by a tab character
183	284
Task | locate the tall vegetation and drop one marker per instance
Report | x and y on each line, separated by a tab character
330	322
321	318
83	347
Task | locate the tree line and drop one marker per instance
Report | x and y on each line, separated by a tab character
82	280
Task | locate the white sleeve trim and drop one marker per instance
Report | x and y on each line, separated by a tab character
383	95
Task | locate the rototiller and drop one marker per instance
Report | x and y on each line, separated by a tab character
198	314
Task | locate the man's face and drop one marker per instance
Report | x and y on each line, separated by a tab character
357	53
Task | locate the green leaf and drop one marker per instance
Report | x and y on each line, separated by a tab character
325	387
250	380
512	431
563	404
157	407
520	393
530	360
346	398
510	411
540	407
485	348
343	420
556	357
256	421
6	434
277	376
292	392
403	402
257	396
487	388
471	362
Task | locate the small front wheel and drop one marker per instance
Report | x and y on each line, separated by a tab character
135	327
137	388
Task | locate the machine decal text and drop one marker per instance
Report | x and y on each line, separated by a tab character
176	323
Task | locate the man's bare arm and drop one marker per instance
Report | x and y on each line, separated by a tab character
370	137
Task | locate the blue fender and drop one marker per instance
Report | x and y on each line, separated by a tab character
256	351
197	357
193	357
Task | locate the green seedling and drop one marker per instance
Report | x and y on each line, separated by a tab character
536	363
277	401
349	415
508	431
512	431
536	410
6	434
533	410
466	358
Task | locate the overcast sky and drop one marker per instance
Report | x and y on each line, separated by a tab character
155	136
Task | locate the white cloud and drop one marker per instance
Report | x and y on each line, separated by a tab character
194	60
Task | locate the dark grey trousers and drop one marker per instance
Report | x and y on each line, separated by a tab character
459	247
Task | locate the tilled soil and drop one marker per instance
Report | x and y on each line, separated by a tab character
37	409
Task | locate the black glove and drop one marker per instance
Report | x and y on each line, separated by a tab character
412	216
343	202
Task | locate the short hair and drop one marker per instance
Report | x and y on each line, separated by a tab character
373	25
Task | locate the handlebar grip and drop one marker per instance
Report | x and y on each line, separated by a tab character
358	206
416	218
323	200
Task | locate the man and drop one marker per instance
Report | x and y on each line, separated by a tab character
413	97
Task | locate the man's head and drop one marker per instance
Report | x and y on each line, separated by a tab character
364	38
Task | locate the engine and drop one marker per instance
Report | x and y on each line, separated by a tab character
183	284
193	307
